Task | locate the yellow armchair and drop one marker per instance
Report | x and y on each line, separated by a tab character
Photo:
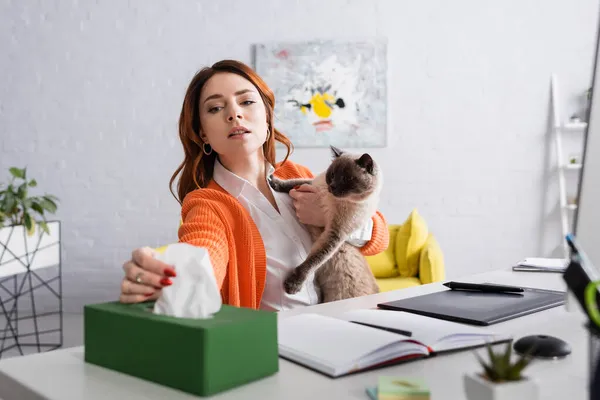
161	249
413	257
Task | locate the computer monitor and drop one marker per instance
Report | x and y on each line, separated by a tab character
584	264
586	224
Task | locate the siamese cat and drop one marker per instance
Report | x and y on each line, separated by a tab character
349	193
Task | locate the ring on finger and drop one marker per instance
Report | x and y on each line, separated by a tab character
138	277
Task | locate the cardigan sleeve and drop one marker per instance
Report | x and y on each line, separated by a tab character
203	227
291	170
380	238
304	171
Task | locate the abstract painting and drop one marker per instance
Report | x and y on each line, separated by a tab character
328	92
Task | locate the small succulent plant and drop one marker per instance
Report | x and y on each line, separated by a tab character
500	368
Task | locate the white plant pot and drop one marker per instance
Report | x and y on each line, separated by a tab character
479	388
18	251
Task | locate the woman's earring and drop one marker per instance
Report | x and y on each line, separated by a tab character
207	152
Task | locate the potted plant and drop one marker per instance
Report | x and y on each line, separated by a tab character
501	378
27	238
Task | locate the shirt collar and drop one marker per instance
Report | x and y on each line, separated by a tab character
231	182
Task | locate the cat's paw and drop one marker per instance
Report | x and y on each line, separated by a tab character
277	185
293	284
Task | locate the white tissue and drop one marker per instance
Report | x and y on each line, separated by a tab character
194	292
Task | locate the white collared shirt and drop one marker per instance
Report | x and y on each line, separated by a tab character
286	240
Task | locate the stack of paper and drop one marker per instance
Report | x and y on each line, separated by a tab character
541	265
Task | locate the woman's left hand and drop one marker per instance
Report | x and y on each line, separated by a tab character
308	206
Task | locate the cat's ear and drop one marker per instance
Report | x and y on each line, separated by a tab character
366	162
336	152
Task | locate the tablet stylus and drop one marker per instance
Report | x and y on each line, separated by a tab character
482	287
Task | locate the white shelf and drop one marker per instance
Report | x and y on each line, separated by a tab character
563	164
573	127
572	166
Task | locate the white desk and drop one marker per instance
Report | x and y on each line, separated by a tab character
63	375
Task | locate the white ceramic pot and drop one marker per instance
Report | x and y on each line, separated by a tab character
479	388
20	252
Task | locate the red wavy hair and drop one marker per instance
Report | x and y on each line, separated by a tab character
197	168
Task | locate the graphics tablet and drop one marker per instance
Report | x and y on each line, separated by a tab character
478	308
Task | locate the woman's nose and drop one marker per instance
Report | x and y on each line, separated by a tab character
234	113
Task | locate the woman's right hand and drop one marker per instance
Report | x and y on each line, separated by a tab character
145	276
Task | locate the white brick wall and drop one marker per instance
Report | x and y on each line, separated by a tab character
91	92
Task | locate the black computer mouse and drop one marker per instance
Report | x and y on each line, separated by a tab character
544	346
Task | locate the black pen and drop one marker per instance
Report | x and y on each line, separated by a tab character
482	287
385	328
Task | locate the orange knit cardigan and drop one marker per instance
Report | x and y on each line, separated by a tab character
215	220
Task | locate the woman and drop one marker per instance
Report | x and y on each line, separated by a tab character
254	236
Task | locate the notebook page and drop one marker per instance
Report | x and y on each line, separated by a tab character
329	341
426	330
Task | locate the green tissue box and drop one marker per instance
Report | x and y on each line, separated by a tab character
198	356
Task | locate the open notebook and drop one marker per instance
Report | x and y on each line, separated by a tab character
337	346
